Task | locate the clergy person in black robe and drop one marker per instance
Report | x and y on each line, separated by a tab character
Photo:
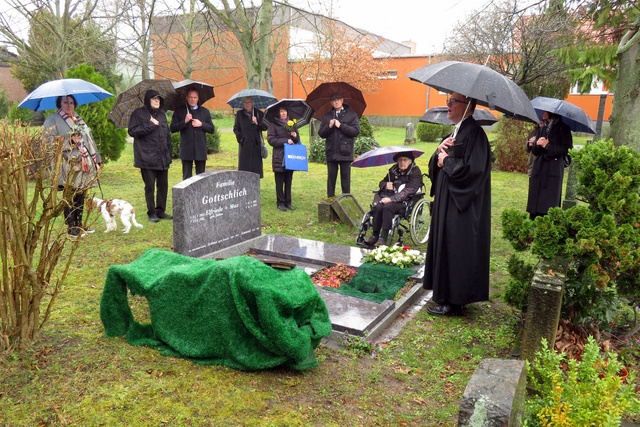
457	263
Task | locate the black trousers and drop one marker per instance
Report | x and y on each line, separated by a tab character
187	168
383	215
155	178
345	177
283	187
73	211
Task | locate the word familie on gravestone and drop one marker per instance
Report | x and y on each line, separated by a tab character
215	210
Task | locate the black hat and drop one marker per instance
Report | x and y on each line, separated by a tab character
407	154
336	96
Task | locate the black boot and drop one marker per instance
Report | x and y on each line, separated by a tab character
382	240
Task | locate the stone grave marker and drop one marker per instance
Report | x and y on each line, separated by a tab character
215	210
348	209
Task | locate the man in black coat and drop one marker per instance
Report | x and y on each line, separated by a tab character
457	262
339	127
193	121
248	129
152	152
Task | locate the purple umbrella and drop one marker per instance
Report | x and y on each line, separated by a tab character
382	156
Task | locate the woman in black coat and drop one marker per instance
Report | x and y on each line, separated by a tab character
549	147
277	136
152	152
248	128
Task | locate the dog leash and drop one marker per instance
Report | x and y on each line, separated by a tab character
100	187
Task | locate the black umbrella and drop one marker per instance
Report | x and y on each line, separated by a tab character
133	98
486	86
320	98
297	109
439	115
205	91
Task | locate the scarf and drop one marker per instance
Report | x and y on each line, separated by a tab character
73	122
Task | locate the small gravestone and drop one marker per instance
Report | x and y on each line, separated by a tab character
326	212
544	304
495	395
409	138
215	210
570	197
348	209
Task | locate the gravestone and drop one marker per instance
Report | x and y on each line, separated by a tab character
544	304
495	395
570	197
348	210
409	137
215	210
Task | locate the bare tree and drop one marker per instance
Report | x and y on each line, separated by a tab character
516	42
59	34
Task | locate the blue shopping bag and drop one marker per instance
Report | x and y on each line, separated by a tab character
295	157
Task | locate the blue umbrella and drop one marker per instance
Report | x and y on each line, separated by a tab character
261	98
44	96
572	116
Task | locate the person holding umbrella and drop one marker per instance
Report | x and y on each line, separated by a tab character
152	152
248	129
549	147
339	127
457	260
402	181
81	159
279	133
193	121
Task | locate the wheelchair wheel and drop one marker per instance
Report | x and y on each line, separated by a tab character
365	224
420	222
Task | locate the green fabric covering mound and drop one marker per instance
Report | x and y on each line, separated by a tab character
375	282
236	312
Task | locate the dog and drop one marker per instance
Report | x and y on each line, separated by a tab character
109	209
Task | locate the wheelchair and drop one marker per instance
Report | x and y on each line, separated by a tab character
415	219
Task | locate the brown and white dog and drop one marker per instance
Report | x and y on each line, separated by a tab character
109	209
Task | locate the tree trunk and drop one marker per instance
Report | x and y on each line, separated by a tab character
625	126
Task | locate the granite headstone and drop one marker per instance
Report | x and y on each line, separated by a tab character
215	210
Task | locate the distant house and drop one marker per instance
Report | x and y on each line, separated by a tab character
12	86
220	63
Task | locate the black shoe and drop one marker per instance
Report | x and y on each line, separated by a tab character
282	208
380	242
89	230
291	208
153	218
445	310
164	215
372	240
76	232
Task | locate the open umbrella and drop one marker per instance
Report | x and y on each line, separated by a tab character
439	115
297	109
44	96
261	98
486	86
382	156
572	116
205	91
320	98
133	98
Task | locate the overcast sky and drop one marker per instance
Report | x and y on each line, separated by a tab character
425	22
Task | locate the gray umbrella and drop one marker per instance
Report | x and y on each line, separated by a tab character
486	86
439	115
572	116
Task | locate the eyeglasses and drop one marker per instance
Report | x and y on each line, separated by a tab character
451	101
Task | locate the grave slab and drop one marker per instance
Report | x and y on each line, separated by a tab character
348	210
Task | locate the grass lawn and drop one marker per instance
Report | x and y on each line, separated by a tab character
74	376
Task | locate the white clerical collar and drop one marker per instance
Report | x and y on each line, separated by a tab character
195	107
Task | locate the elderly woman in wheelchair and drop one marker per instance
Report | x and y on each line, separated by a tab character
398	188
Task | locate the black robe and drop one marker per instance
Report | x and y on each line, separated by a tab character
457	264
545	179
249	137
193	141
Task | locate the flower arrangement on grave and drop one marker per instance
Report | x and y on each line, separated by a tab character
291	126
333	277
399	256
